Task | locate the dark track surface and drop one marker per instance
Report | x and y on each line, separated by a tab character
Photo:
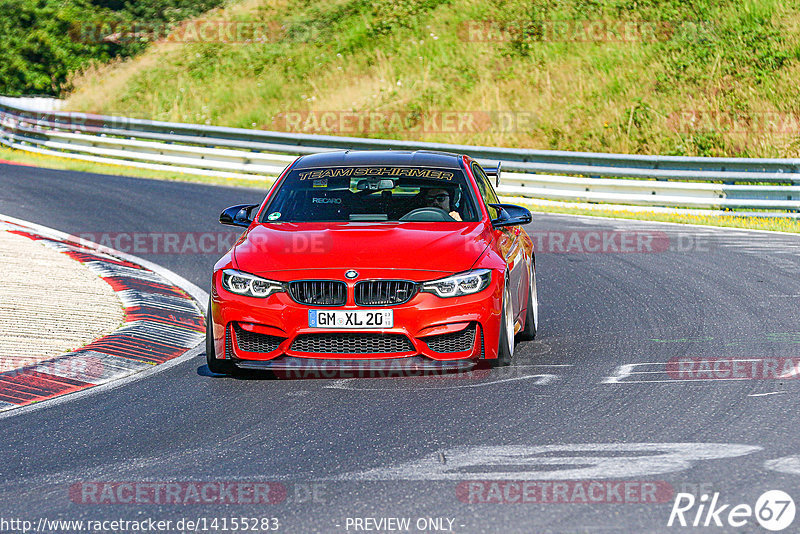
733	294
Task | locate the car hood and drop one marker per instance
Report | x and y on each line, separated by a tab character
425	247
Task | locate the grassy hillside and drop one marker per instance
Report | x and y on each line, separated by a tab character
42	42
701	77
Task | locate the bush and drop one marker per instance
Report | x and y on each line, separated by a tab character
43	41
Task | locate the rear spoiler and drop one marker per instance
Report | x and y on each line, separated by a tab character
494	171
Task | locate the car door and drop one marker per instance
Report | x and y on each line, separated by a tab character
508	239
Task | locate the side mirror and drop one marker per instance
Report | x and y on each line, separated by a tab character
511	215
241	215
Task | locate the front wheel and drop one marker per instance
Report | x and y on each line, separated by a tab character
532	315
220	367
505	346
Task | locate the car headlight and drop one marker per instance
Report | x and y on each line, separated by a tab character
249	284
460	284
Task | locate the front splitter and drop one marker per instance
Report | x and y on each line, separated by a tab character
409	365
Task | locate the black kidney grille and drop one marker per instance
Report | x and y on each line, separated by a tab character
384	292
319	292
353	343
255	342
455	342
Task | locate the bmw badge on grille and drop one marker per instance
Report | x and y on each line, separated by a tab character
351	274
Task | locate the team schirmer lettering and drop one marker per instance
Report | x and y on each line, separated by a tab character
412	172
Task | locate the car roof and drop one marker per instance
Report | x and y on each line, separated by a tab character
352	158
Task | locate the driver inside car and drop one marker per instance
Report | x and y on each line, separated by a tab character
440	198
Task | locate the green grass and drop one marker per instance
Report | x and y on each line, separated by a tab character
729	60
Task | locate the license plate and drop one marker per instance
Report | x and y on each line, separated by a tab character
351	319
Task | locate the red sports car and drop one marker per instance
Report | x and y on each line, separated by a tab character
374	260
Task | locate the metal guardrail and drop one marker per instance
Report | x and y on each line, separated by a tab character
672	181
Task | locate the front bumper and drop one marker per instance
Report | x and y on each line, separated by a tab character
428	332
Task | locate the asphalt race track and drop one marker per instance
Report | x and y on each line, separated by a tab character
596	400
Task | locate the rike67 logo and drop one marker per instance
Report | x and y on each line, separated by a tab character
774	510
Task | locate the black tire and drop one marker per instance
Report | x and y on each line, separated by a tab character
528	332
220	367
505	346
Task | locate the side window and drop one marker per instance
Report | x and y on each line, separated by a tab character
486	190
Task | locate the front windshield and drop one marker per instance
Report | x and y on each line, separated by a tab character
372	193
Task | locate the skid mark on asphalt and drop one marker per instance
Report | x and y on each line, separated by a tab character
698	239
578	461
438	382
767	337
682	371
652	372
